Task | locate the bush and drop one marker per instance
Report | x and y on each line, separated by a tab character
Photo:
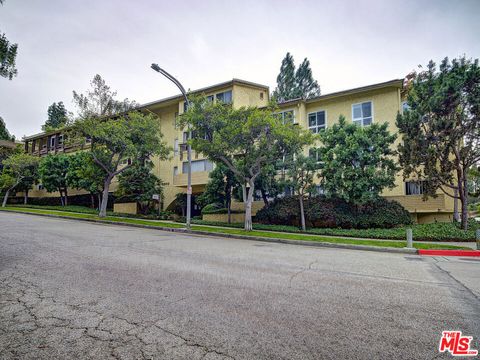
321	212
207	209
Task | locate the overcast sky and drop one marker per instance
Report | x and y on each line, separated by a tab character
64	43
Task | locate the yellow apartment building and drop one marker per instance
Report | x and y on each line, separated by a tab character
377	103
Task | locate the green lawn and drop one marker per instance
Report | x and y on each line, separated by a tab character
232	231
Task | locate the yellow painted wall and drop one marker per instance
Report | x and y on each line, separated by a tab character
125	208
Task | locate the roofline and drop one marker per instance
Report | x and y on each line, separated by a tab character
391	83
206	89
398	83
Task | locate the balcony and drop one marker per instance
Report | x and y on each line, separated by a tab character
198	178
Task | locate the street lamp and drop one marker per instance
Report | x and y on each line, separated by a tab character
189	149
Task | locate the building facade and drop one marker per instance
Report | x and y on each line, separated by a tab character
377	103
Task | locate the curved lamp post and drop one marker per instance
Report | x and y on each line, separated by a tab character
189	149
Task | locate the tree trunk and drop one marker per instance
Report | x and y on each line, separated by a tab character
264	197
456	217
99	199
61	197
302	212
464	202
248	207
103	205
229	211
5	198
92	201
25	197
66	196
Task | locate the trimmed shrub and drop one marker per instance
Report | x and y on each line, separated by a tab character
207	209
322	212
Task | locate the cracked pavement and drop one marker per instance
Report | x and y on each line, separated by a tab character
71	289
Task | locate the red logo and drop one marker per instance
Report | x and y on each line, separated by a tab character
456	344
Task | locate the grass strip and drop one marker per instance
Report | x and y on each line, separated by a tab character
232	231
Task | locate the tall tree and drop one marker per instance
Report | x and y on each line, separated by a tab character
305	86
84	173
16	168
100	101
286	87
133	136
4	134
8	55
441	129
244	139
301	173
294	84
57	116
53	171
357	162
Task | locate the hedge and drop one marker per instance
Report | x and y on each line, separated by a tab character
322	212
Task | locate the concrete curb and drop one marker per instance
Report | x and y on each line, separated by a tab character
235	236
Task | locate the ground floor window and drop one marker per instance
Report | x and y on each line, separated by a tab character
414	187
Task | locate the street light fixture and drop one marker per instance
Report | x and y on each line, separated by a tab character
189	149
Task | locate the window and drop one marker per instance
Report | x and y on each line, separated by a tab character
319	190
362	113
175	147
52	141
60	140
313	153
317	121
197	166
287	117
210	98
261	95
88	139
40	187
225	97
185	106
405	106
185	137
414	187
175	170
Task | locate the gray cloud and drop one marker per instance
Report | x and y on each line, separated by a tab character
63	44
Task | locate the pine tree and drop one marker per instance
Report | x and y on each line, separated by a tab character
285	80
4	134
293	84
305	86
57	116
8	54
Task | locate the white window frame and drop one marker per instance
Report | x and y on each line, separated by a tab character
371	109
282	114
316	126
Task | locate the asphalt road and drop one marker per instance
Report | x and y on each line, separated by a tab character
76	290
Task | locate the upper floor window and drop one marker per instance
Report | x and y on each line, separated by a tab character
175	170
210	98
414	187
287	117
225	97
60	140
362	113
405	106
52	141
197	166
175	147
317	121
314	154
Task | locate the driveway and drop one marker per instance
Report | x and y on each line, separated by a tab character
76	290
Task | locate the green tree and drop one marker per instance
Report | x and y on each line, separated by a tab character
300	177
133	136
441	128
286	86
53	171
84	173
4	134
138	183
294	84
8	55
17	168
244	139
357	162
219	188
267	183
305	86
100	101
57	117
